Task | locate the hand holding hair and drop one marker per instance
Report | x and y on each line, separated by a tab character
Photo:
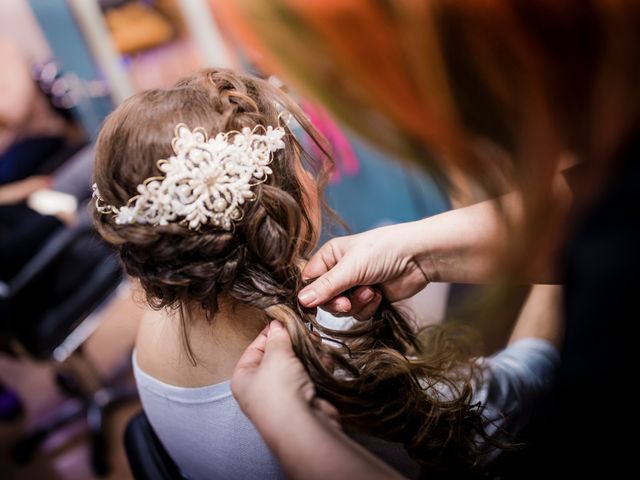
302	430
457	246
385	257
269	379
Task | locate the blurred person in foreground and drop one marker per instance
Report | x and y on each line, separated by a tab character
537	103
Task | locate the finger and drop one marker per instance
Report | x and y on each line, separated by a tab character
315	337
338	306
322	261
370	309
342	306
308	392
324	288
328	412
278	341
327	362
325	358
361	297
326	408
254	353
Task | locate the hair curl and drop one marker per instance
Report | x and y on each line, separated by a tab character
387	382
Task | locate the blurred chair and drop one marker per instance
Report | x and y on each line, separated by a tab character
48	311
147	456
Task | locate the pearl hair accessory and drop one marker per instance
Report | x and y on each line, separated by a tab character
206	182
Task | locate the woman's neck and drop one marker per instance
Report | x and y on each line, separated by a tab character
229	331
214	344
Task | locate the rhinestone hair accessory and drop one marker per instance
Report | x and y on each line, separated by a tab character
206	182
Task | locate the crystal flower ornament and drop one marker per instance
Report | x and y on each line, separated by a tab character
205	182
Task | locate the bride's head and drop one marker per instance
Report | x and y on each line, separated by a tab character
249	253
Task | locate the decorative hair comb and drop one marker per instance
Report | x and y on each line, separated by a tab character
206	182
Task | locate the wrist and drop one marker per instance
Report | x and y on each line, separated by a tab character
281	430
307	439
460	246
277	423
422	249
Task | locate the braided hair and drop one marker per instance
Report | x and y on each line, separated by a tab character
386	380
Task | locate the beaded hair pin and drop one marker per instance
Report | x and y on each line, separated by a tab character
205	182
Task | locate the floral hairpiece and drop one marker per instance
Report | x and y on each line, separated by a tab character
206	182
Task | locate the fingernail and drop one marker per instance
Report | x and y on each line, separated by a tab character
343	307
367	295
307	297
274	326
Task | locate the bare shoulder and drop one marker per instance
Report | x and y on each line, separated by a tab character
157	345
162	352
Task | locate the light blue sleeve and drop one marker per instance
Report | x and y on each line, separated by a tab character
516	381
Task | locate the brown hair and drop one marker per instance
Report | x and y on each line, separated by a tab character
389	384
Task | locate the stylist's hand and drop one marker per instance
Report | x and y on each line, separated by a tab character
269	382
275	392
388	257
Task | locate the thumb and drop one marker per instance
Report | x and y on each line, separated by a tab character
253	354
278	341
329	285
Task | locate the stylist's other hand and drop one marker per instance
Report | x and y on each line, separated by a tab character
269	382
387	257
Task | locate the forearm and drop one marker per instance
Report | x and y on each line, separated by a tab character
308	446
541	316
464	245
